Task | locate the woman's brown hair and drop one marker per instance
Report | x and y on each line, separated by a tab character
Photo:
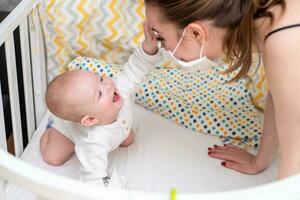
235	15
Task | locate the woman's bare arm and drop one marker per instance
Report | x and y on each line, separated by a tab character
282	59
269	140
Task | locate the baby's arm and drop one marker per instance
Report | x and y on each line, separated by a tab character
139	63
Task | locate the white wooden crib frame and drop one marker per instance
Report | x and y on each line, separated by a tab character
47	185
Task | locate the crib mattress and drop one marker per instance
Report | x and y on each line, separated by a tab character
163	156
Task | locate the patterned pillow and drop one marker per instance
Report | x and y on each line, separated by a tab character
94	65
201	101
204	102
106	29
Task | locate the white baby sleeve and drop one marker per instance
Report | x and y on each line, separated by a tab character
92	153
138	65
71	130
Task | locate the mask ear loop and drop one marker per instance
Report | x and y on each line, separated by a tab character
179	42
202	48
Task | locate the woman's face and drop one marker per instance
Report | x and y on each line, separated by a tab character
169	35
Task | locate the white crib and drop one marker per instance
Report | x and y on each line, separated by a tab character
47	185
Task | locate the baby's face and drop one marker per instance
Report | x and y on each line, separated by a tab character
104	99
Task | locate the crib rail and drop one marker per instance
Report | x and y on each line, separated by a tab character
59	187
55	187
25	17
51	186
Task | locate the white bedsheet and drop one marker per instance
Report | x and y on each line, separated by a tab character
163	156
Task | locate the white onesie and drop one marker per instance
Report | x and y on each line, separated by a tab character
92	144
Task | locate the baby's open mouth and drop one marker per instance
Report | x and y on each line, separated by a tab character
116	97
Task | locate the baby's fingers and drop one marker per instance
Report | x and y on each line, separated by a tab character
146	30
149	35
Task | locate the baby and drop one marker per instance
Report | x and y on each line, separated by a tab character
92	115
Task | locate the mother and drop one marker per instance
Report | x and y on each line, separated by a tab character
235	29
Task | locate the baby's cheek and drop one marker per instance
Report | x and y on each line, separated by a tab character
108	103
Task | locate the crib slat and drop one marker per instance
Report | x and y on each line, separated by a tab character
27	77
14	94
9	24
3	144
38	65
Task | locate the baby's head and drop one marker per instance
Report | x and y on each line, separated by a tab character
81	96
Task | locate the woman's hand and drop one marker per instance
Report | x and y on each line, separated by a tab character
235	158
149	45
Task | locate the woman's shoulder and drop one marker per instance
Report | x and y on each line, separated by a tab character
287	17
281	48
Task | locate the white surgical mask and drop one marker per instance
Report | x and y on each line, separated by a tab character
202	63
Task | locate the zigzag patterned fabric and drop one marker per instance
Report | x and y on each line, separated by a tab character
257	85
106	29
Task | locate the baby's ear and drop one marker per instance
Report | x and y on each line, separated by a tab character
88	121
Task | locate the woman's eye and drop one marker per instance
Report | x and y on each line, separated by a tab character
160	39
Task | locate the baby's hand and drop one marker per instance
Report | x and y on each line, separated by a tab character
128	141
150	43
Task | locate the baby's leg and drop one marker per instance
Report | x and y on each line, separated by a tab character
55	147
128	141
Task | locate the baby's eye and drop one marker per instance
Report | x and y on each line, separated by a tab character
100	94
101	78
